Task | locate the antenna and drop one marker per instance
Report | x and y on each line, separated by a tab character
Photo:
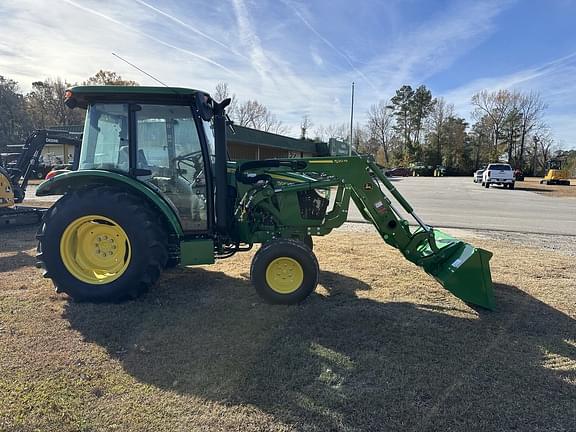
351	121
143	71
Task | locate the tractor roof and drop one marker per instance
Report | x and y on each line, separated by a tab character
83	95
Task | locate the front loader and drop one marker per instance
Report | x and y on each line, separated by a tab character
154	189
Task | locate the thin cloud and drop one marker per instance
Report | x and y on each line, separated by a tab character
250	39
148	36
553	80
188	26
461	96
328	43
282	62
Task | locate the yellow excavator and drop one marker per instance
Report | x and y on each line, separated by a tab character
555	174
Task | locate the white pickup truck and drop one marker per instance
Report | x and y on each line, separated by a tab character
500	174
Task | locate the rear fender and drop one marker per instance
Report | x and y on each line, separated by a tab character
73	180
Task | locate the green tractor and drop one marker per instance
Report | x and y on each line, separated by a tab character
154	189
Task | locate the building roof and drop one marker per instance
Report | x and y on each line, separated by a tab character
72	129
245	135
248	136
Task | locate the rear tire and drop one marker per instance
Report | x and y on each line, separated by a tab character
284	271
308	242
511	186
486	185
87	224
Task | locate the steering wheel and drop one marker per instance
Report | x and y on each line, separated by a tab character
193	160
188	155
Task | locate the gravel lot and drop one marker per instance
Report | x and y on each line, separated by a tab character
564	244
457	202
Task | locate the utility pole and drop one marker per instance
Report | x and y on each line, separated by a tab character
351	121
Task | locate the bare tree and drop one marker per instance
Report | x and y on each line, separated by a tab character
543	148
305	125
512	123
222	92
362	142
257	116
380	126
439	116
495	106
531	107
334	130
104	77
45	105
250	114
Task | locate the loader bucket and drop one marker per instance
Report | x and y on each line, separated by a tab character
463	270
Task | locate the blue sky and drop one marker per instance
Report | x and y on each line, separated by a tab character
301	56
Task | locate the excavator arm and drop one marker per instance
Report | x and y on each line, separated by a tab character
28	160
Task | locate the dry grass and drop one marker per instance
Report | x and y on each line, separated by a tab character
380	346
532	184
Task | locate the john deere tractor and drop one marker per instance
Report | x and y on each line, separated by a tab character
154	188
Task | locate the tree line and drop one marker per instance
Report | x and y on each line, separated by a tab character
42	106
412	127
415	128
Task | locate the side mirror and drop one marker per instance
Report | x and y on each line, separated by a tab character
204	106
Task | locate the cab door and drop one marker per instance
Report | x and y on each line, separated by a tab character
170	153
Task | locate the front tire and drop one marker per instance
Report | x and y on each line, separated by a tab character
284	271
102	245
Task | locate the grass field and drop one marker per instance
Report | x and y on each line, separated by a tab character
380	346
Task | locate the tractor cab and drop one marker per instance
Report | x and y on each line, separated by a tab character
158	138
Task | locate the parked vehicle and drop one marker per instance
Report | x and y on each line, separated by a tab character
440	171
556	175
55	172
500	174
399	172
478	176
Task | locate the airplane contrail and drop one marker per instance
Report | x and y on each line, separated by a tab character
155	39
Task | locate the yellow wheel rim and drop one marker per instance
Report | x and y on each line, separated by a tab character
284	275
95	249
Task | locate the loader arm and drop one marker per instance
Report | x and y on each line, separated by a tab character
461	268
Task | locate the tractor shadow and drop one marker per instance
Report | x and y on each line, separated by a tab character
15	244
343	362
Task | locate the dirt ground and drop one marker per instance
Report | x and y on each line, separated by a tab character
379	346
533	184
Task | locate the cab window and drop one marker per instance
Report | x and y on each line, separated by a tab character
105	142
